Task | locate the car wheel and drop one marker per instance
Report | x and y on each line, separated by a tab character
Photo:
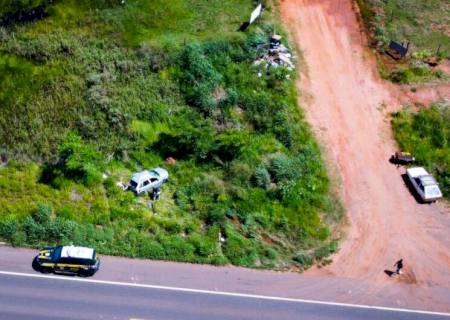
86	274
46	270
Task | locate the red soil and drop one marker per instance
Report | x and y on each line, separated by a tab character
348	106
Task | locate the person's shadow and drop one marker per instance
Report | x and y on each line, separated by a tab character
389	272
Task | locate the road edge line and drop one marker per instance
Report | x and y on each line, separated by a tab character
224	293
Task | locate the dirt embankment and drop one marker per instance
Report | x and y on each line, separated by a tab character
348	106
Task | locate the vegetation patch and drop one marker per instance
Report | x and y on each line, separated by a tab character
427	135
96	90
422	24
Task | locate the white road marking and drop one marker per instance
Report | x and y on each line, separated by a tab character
223	293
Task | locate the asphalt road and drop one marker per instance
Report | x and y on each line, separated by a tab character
64	297
143	289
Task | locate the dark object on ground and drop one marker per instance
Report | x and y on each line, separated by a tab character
72	260
156	194
397	50
389	272
432	61
400	158
399	265
170	161
275	41
244	26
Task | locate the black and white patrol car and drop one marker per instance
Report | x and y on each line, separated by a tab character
71	259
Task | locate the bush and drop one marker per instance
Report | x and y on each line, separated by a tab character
305	260
34	231
325	251
151	250
261	177
284	168
199	78
77	161
42	214
176	248
8	229
238	250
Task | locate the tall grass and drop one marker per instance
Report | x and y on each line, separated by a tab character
98	90
427	135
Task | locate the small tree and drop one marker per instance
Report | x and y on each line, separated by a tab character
76	161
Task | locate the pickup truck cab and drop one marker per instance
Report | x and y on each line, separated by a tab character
424	184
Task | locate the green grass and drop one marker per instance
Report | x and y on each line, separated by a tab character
426	134
425	24
97	90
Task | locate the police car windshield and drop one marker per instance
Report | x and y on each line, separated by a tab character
57	252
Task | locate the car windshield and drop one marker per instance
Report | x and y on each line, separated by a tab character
155	173
57	252
133	183
433	191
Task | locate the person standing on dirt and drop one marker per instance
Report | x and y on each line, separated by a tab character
399	265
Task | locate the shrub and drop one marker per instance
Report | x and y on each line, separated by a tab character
42	214
19	239
77	161
151	250
176	248
285	168
216	216
305	260
239	250
261	177
34	231
8	229
325	251
199	78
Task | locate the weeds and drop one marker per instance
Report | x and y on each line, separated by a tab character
426	134
84	108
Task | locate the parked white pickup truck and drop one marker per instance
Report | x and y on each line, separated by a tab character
424	183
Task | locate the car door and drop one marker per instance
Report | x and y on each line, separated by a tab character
421	190
67	265
154	182
146	185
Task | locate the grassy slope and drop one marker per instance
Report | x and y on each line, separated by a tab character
425	24
97	87
427	135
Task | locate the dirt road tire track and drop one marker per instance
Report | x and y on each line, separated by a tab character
349	112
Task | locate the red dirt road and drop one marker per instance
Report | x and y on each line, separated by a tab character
348	107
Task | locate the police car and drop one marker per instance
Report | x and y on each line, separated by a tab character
68	259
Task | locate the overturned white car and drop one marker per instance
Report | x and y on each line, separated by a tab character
147	180
424	184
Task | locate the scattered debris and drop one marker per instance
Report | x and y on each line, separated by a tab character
121	185
278	55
